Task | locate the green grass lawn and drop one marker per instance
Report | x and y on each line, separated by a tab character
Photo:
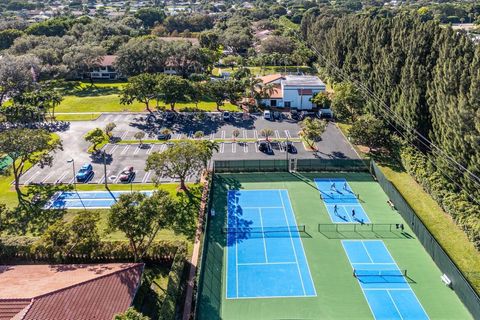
451	237
77	116
338	294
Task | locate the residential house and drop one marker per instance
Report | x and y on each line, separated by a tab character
292	91
59	292
105	70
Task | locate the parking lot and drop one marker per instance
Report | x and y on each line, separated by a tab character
119	156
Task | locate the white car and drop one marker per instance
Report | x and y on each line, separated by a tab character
267	115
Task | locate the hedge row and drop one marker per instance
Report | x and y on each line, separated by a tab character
16	249
456	203
168	309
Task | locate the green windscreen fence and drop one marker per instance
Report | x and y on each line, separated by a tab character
460	284
233	166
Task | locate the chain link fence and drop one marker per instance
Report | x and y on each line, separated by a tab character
460	284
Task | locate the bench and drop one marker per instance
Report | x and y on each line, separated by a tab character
446	280
390	203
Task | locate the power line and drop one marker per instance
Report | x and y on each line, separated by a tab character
394	119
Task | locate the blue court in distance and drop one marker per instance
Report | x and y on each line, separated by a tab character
384	285
340	201
86	199
265	255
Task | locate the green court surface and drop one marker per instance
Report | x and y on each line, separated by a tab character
338	293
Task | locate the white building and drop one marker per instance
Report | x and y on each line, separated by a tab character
293	92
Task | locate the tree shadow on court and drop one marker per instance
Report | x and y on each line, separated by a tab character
32	215
187	207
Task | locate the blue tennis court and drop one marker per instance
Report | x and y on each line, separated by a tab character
341	202
384	285
86	199
265	255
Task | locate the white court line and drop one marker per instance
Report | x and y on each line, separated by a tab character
263	263
394	304
222	147
368	254
33	176
236	267
244	207
293	245
124	151
234	148
264	241
383	289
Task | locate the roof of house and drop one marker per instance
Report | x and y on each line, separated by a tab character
107	61
271	77
303	81
277	93
67	291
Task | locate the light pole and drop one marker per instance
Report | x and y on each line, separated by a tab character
286	155
72	161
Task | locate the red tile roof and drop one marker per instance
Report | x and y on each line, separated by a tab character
277	93
108	61
100	297
271	78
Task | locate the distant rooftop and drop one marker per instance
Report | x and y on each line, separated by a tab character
305	81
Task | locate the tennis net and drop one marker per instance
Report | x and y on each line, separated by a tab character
299	228
379	273
358	227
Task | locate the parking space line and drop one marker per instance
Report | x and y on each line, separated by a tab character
256	147
245	147
124	135
117	118
244	133
48	176
163	147
212	136
234	147
59	180
137	150
146	176
281	146
114	149
223	134
124	151
287	134
33	176
277	134
117	177
255	134
150	149
222	147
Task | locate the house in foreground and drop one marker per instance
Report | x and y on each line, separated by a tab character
59	292
291	91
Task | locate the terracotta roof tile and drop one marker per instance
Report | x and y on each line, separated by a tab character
11	307
271	78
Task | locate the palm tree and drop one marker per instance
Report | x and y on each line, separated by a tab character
268	89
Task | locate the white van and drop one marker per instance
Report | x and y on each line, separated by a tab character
267	115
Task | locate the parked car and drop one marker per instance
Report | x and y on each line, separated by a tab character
277	115
164	136
227	116
84	173
290	147
127	174
265	147
267	115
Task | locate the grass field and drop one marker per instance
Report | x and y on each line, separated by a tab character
452	239
338	293
104	97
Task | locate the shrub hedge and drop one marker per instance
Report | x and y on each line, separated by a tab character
15	249
455	202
